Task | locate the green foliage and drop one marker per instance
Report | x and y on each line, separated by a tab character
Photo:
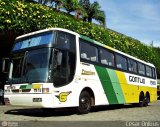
93	11
24	17
70	5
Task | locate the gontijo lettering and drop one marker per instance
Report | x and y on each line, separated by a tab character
136	79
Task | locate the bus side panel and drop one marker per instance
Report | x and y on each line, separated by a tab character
153	96
116	85
111	86
131	92
118	90
89	78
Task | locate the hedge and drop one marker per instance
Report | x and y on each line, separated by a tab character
24	17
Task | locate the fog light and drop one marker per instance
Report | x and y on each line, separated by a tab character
37	99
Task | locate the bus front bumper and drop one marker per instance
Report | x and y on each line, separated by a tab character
33	100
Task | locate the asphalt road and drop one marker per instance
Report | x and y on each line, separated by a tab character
122	115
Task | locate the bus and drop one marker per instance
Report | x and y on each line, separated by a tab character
158	89
58	68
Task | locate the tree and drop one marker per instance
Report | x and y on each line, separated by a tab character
80	12
85	5
70	5
58	3
93	11
42	1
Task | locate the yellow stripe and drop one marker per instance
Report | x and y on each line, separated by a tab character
131	92
36	86
109	47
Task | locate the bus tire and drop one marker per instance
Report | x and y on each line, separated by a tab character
147	99
84	103
141	100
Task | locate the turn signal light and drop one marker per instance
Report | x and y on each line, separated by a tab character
45	90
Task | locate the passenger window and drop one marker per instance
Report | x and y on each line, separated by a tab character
148	71
88	52
121	62
132	66
107	58
153	73
141	69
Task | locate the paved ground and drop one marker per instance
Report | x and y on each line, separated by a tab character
124	113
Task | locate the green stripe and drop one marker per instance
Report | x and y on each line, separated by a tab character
29	86
107	84
92	41
23	86
116	86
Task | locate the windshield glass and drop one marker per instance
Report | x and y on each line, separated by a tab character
32	41
36	65
17	68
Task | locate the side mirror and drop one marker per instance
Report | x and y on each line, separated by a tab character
59	58
5	65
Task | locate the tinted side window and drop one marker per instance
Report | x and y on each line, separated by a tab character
132	66
107	58
141	69
121	62
65	57
66	41
148	71
153	73
88	52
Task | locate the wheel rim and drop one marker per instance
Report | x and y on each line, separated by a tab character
147	100
141	101
85	103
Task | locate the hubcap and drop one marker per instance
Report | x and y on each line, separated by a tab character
85	103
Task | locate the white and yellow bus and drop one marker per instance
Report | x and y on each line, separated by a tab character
55	68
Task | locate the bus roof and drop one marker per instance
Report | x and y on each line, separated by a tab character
46	30
85	38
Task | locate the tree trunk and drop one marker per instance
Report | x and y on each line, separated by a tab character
90	19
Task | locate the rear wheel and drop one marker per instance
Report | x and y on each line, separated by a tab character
147	100
84	103
141	100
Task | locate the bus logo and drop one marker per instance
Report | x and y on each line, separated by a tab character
84	72
63	96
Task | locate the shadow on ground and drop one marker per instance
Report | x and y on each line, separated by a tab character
37	112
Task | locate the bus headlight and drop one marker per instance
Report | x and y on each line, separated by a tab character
8	87
13	87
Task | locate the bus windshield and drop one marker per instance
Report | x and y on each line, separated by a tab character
32	41
35	62
31	67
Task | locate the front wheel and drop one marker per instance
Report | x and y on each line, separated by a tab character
84	103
